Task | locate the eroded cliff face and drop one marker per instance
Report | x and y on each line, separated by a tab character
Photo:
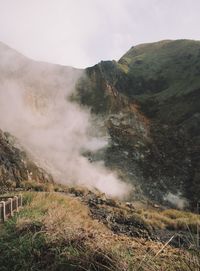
148	105
16	167
152	117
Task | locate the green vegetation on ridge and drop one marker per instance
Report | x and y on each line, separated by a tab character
150	101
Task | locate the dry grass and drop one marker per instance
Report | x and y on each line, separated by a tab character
67	221
171	219
56	232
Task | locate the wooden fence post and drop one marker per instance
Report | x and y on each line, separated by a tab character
16	200
198	209
3	204
11	206
20	200
1	212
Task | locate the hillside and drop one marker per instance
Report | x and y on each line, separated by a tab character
147	105
126	129
57	231
150	102
16	167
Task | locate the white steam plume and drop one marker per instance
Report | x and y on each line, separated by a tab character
177	200
35	108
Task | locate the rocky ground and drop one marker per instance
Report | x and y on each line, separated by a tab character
127	218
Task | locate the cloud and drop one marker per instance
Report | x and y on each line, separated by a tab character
81	33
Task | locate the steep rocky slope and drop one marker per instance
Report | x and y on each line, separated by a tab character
150	102
147	104
16	167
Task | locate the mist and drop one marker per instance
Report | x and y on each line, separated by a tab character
177	200
35	107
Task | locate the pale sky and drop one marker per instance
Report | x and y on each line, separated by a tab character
81	33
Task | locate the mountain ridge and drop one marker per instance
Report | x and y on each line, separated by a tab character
157	85
148	101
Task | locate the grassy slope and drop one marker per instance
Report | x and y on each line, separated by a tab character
163	77
56	232
165	71
176	61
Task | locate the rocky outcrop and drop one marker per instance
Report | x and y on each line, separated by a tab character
150	104
16	167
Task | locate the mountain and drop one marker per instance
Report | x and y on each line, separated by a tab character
147	107
148	102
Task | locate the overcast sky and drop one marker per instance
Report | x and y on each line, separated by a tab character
83	32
